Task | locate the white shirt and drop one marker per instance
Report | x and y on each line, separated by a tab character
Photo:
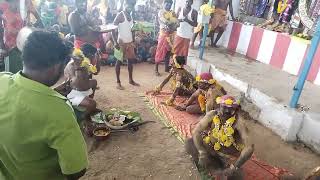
124	30
185	30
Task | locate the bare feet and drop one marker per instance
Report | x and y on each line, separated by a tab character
134	83
119	86
157	73
181	108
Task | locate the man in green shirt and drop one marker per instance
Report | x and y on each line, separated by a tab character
39	135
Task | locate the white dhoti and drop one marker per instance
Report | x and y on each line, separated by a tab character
76	97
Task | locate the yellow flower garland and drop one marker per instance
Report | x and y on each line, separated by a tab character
206	9
77	53
282	6
223	134
211	81
168	15
202	102
85	61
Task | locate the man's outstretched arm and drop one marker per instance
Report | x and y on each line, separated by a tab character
201	126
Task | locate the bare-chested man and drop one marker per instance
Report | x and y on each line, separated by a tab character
168	26
82	86
82	27
219	22
219	142
188	20
181	80
125	40
204	99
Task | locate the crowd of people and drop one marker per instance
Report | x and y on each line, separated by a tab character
48	141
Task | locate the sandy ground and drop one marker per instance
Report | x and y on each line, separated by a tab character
153	152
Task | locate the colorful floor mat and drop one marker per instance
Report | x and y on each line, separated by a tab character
183	123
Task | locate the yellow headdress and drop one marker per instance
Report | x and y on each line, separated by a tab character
205	77
228	101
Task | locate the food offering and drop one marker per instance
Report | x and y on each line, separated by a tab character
101	133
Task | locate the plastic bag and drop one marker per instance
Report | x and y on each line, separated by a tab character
118	54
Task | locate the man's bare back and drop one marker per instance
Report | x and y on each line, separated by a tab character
82	27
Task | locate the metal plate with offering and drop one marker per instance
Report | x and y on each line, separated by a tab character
108	28
114	120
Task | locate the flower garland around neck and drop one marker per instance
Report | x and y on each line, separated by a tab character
202	100
223	133
77	53
168	15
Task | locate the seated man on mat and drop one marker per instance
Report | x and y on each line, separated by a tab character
203	100
82	87
181	80
219	142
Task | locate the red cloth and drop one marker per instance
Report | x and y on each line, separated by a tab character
181	46
163	46
128	51
184	123
12	23
206	76
78	42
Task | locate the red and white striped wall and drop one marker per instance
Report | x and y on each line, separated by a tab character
278	50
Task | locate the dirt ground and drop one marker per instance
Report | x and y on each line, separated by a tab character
153	152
